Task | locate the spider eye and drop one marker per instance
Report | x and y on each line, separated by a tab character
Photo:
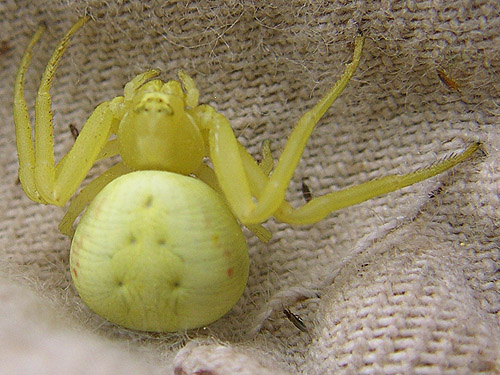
154	103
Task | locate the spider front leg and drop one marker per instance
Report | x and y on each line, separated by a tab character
230	169
318	208
242	179
41	179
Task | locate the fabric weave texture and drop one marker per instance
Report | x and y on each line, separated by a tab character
407	283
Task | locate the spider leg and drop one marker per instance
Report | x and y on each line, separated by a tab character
241	179
318	208
87	194
58	183
258	178
224	154
24	140
232	177
273	193
111	148
45	174
41	178
207	175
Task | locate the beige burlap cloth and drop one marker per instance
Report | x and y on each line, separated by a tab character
403	284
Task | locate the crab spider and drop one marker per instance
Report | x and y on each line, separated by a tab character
162	134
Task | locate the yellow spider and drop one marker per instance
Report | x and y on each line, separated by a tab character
162	134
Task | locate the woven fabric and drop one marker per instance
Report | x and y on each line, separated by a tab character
405	283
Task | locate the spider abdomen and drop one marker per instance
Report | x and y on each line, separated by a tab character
158	251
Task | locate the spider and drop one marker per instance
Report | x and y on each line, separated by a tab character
160	126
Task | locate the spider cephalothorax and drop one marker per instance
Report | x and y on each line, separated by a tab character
156	131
